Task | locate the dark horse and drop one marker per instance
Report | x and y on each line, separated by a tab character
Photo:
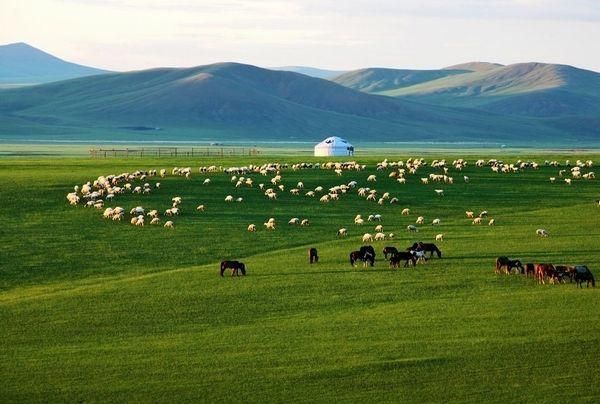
426	247
405	256
366	255
389	250
583	274
508	265
235	266
529	269
312	255
545	270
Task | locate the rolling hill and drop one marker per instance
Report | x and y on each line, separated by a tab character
23	64
376	80
236	101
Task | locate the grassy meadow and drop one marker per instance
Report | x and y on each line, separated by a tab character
99	311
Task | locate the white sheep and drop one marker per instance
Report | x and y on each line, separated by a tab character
359	221
439	192
168	224
542	232
367	237
405	211
412	228
343	232
467	179
294	220
324	198
229	198
439	237
155	221
552	179
379	236
379	228
153	213
269	225
372	178
436	222
492	222
420	220
477	220
251	228
200	208
304	222
470	214
206	181
568	181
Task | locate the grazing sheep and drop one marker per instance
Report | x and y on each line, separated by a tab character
371	178
420	220
359	221
324	198
206	181
439	237
379	228
239	199
200	208
153	213
424	181
552	179
391	236
394	200
251	228
294	220
168	224
568	181
542	232
155	221
367	237
304	222
467	179
343	232
492	222
439	192
412	228
379	236
138	210
477	220
310	194
229	198
436	222
269	225
377	217
484	213
469	214
405	211
140	221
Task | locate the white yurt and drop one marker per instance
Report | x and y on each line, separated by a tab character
334	146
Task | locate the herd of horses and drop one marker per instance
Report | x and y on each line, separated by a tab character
543	271
413	254
418	253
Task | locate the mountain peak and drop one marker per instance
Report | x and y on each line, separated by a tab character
474	66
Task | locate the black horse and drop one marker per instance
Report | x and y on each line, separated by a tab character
366	255
313	258
583	274
235	266
528	268
508	264
389	250
405	256
427	247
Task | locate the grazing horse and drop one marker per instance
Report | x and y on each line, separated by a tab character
529	269
508	265
545	270
427	247
389	250
365	257
583	274
402	255
313	258
235	267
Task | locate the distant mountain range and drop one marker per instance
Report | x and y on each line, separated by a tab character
311	71
23	64
529	103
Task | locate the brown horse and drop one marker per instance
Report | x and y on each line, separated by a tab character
508	265
545	270
405	256
529	269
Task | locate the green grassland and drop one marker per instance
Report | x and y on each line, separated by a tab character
95	310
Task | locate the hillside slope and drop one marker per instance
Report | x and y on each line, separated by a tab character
23	64
376	80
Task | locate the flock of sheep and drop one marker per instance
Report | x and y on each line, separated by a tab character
105	189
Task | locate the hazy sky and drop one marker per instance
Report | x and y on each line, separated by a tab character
335	34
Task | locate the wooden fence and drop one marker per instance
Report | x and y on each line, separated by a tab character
174	152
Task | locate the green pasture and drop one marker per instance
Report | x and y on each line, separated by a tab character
100	311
